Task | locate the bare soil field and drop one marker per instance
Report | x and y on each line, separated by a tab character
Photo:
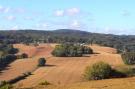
68	70
21	66
121	83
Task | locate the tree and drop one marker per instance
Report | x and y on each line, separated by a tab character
71	50
128	58
24	55
41	62
98	71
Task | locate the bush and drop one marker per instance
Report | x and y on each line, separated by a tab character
41	62
22	56
44	83
128	58
7	86
98	71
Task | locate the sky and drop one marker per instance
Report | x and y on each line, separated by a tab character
99	16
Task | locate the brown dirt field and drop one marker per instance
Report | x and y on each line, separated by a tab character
121	83
63	71
21	66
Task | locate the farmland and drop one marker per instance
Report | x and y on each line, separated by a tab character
59	70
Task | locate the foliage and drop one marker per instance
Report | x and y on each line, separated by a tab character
71	50
98	71
22	56
44	83
41	62
68	35
7	86
128	58
5	60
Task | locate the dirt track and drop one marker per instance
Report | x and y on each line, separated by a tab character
69	70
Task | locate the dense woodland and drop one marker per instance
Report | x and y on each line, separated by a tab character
121	42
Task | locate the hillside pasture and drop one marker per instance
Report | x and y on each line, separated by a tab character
21	66
68	70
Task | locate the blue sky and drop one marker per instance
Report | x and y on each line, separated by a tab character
104	16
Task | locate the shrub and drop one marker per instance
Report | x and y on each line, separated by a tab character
22	56
7	86
98	71
3	83
41	62
44	83
128	58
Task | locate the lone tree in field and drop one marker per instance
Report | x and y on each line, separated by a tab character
24	55
41	62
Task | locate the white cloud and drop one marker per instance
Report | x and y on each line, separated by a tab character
75	24
73	11
10	18
16	27
4	9
59	12
67	12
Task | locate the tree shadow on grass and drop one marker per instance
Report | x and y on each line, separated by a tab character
47	65
2	69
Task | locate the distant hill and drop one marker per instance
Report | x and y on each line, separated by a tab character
68	35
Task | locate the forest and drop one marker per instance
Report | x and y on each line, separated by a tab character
121	42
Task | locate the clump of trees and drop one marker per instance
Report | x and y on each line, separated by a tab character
71	50
128	57
21	56
98	71
7	54
41	62
5	60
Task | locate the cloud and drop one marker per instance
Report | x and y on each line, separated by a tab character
19	10
4	9
10	18
16	27
73	11
75	24
67	12
59	12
